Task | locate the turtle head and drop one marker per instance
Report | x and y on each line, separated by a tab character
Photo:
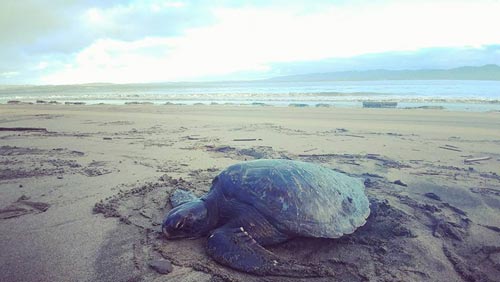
189	220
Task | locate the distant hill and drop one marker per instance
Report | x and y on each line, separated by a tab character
486	72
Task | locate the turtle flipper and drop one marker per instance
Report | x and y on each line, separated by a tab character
236	248
180	197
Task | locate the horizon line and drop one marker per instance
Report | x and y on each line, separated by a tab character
271	78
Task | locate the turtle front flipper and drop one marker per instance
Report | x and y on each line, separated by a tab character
236	248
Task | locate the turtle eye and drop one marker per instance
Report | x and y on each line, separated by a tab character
179	224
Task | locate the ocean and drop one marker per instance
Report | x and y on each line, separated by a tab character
464	95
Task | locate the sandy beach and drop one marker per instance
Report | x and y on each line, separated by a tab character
83	189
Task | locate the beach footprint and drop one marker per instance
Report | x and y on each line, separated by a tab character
23	206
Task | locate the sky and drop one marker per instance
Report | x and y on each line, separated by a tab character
77	41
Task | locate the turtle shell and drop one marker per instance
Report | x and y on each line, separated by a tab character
298	198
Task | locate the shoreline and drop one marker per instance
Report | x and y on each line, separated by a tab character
452	105
454	95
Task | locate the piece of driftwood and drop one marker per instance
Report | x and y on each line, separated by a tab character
493	228
351	162
310	150
455	209
23	129
372	175
245	139
477	159
486	191
352	135
451	149
317	155
426	173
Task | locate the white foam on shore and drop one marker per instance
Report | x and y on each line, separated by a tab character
457	95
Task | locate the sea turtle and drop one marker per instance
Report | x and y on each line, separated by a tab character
264	202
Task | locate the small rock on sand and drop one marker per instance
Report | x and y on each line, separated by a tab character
161	266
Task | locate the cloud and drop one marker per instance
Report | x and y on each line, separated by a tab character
25	22
32	31
141	19
142	41
9	74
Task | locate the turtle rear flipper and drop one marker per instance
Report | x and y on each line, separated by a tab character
237	249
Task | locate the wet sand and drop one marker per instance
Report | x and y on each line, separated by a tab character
84	188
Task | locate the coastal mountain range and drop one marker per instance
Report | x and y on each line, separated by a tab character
486	72
490	72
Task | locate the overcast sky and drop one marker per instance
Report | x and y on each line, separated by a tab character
72	41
